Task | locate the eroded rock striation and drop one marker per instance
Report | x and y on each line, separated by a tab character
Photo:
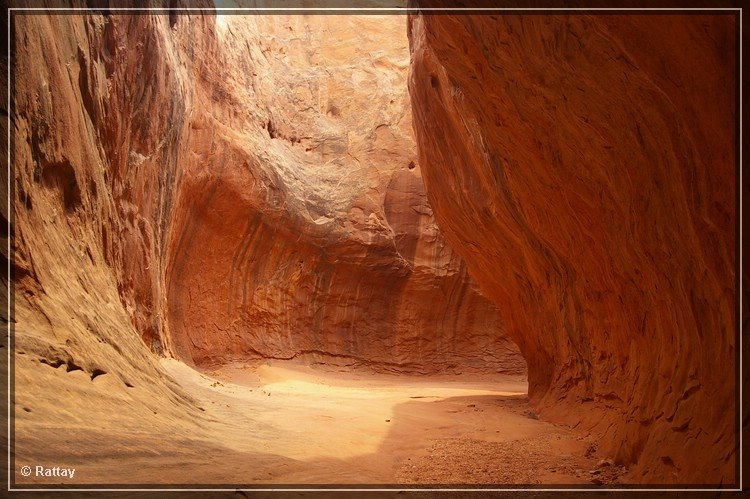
583	166
217	190
300	225
80	365
222	189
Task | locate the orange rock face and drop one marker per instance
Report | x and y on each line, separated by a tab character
583	166
237	188
300	224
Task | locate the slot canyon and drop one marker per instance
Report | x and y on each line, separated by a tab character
373	249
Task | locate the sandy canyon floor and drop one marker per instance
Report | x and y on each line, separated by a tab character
280	422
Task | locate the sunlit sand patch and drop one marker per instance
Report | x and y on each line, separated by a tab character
303	413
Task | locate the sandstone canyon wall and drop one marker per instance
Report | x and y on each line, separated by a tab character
217	190
220	189
81	367
583	166
300	223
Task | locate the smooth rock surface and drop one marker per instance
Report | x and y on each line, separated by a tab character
583	166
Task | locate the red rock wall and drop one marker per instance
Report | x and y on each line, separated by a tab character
302	227
583	166
80	365
248	187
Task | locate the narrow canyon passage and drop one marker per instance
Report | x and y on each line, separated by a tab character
320	249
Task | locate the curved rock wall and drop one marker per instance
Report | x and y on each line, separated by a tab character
583	166
80	366
239	188
301	225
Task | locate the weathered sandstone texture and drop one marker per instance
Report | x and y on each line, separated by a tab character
81	367
583	166
299	223
222	189
217	190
